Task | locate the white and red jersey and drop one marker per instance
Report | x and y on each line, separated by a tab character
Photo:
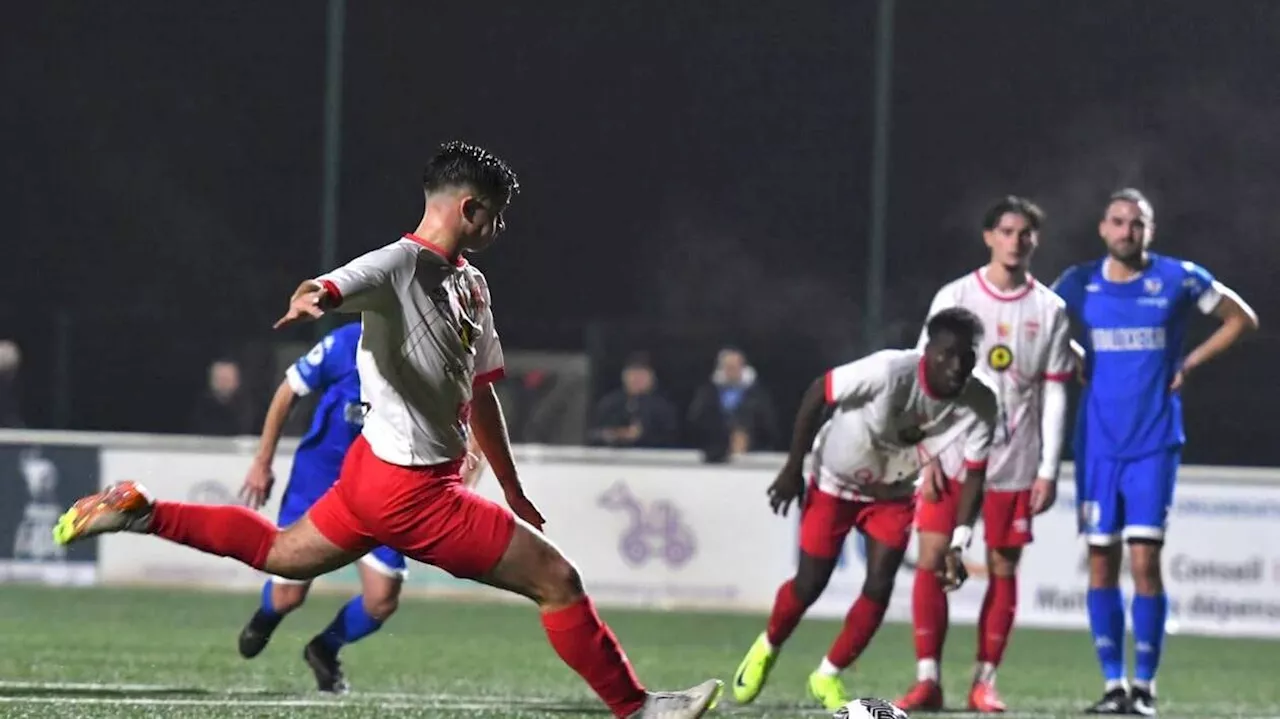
428	338
1026	344
887	425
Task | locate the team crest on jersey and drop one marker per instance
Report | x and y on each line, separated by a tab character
1032	328
1000	357
1152	285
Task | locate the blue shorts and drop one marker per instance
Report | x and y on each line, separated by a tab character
305	490
1126	498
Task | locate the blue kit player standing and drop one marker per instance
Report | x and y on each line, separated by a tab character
330	369
1134	306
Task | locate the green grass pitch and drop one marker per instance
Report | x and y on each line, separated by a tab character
161	653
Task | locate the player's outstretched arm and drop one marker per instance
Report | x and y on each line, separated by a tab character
491	433
309	302
1237	318
363	284
257	484
789	484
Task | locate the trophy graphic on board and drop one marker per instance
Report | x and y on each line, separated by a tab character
34	538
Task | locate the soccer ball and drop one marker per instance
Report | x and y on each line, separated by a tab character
869	708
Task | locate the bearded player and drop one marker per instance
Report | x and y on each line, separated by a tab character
1026	353
428	356
1134	306
892	410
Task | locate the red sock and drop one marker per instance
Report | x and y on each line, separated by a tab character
860	624
225	530
929	614
995	624
786	615
587	645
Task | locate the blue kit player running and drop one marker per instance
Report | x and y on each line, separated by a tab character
330	369
1133	307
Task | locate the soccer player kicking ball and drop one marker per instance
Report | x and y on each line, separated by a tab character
427	358
1026	353
1134	306
330	369
891	407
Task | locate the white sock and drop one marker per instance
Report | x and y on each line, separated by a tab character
1114	684
765	638
985	673
927	670
1150	686
827	669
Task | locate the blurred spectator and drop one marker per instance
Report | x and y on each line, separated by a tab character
224	407
634	415
732	414
10	362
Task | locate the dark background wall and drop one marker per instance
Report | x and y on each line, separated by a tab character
694	173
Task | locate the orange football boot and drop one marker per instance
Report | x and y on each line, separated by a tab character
984	698
121	507
925	696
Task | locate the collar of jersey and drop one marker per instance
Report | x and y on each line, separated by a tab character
458	261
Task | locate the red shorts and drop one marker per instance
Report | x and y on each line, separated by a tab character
1006	516
827	519
422	512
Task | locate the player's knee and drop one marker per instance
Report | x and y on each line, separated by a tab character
1003	562
933	550
1144	561
808	587
381	606
559	583
877	587
1104	566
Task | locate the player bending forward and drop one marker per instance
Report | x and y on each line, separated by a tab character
1134	306
427	358
1026	350
892	409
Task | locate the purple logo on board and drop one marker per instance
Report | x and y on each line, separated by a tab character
654	530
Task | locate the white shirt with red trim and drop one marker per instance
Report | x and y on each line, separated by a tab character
1026	354
428	338
887	425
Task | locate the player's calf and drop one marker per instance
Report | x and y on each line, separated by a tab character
793	599
534	567
930	618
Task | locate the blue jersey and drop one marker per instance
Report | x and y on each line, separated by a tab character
329	368
1133	338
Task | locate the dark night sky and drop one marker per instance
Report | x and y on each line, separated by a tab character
683	162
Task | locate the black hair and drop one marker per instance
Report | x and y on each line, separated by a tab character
957	321
459	164
1018	205
1134	195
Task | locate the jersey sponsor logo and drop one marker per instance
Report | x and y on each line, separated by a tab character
1000	357
1128	339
